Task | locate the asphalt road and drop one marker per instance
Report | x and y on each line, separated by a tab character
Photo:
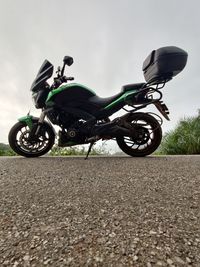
100	212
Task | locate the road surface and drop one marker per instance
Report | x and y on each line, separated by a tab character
106	211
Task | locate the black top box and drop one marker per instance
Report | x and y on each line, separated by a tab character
163	64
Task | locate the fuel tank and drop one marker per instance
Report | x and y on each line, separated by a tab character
72	95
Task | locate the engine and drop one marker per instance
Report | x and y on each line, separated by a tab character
61	118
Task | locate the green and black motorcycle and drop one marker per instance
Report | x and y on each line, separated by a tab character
83	117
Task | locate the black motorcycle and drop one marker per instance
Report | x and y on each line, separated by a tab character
83	117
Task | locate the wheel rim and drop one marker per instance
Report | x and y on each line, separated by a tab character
144	137
35	146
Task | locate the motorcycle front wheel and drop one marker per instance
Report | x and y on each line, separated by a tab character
20	141
146	138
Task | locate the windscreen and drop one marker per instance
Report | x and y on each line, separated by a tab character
44	73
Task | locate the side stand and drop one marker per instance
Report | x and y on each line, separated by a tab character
89	149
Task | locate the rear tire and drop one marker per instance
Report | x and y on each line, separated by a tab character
19	142
148	135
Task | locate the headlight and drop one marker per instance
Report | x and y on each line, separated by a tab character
39	98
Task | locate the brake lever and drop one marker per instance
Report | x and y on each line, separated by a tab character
70	78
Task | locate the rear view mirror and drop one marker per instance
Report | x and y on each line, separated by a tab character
68	60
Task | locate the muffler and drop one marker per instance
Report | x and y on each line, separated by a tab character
110	129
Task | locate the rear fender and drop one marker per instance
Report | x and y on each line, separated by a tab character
163	109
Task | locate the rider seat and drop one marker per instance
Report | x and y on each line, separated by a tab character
132	86
102	102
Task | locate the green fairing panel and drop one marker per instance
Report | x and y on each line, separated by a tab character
124	98
65	87
28	120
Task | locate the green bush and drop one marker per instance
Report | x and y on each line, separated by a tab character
184	139
5	150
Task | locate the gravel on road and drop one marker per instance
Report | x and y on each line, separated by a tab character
106	211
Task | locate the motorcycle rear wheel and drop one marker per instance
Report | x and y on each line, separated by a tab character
19	140
148	135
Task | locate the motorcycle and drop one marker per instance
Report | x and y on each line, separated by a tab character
83	117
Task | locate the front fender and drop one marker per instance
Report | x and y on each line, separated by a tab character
29	120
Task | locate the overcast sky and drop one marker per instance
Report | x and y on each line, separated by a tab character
109	40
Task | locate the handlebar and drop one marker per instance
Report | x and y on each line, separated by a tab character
60	80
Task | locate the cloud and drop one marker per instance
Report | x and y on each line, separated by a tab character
109	41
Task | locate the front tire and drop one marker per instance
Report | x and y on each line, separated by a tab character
147	137
20	142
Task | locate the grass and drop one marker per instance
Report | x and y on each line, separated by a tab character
184	139
5	150
77	151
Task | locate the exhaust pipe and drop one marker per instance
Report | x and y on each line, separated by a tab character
110	129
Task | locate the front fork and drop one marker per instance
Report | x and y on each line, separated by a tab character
34	123
40	121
